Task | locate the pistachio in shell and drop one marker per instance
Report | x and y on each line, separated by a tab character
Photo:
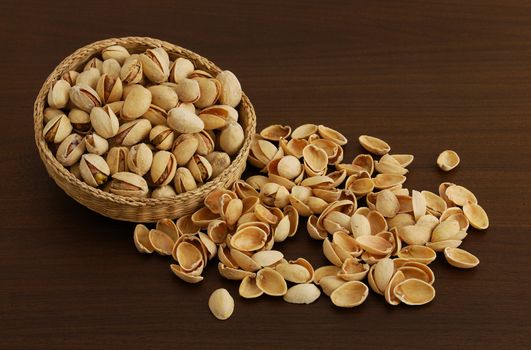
58	95
94	170
70	150
163	168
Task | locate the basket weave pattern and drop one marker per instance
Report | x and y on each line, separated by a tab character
129	208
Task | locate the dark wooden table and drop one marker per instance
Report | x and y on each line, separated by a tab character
423	75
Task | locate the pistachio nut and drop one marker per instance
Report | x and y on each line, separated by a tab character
112	68
96	144
89	77
161	137
188	90
156	115
231	90
184	148
205	143
163	96
165	191
50	112
133	132
180	69
200	168
117	52
104	121
209	92
93	63
156	64
59	94
117	159
84	97
136	103
184	121
163	168
109	89
216	117
74	169
231	138
70	77
139	159
184	180
94	170
129	184
219	162
57	129
70	150
131	72
80	120
221	304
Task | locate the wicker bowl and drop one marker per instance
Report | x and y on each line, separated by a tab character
129	208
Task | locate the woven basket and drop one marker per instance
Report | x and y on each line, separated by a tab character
129	208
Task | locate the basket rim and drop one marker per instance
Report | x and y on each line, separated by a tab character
84	53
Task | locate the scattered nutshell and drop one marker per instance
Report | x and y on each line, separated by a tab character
221	304
448	160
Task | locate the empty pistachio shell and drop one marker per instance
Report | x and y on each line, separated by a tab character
248	288
184	121
350	294
141	239
94	170
57	129
231	138
419	204
249	239
139	159
418	253
271	282
305	293
136	103
129	184
448	160
104	121
476	215
276	132
180	69
374	145
460	258
70	150
414	292
460	195
389	293
133	132
156	64
163	168
231	90
58	95
84	97
387	203
96	144
185	276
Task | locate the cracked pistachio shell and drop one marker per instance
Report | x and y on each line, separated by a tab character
89	77
133	132
96	144
163	96
94	170
161	137
180	69
70	150
448	160
104	121
139	159
156	115
70	77
188	90
80	120
231	138
58	95
219	162
117	159
289	167
305	293
350	294
109	89
184	148
231	90
112	68
205	143
476	215
117	52
165	191
95	63
216	117
414	292
184	180
57	129
209	91
129	184
184	121
131	72
84	97
271	282
163	168
200	168
221	304
460	258
374	145
156	64
136	103
50	113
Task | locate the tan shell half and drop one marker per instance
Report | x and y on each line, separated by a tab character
476	215
353	270
448	160
350	294
374	145
389	293
460	195
325	271
296	271
414	292
249	239
161	242
276	132
248	288
141	239
418	253
271	282
185	276
304	293
460	258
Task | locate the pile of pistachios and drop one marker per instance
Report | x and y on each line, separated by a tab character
140	125
376	233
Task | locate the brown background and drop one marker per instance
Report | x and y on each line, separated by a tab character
423	75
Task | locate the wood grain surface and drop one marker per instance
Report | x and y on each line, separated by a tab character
424	75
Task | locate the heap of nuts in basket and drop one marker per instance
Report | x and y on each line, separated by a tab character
142	125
